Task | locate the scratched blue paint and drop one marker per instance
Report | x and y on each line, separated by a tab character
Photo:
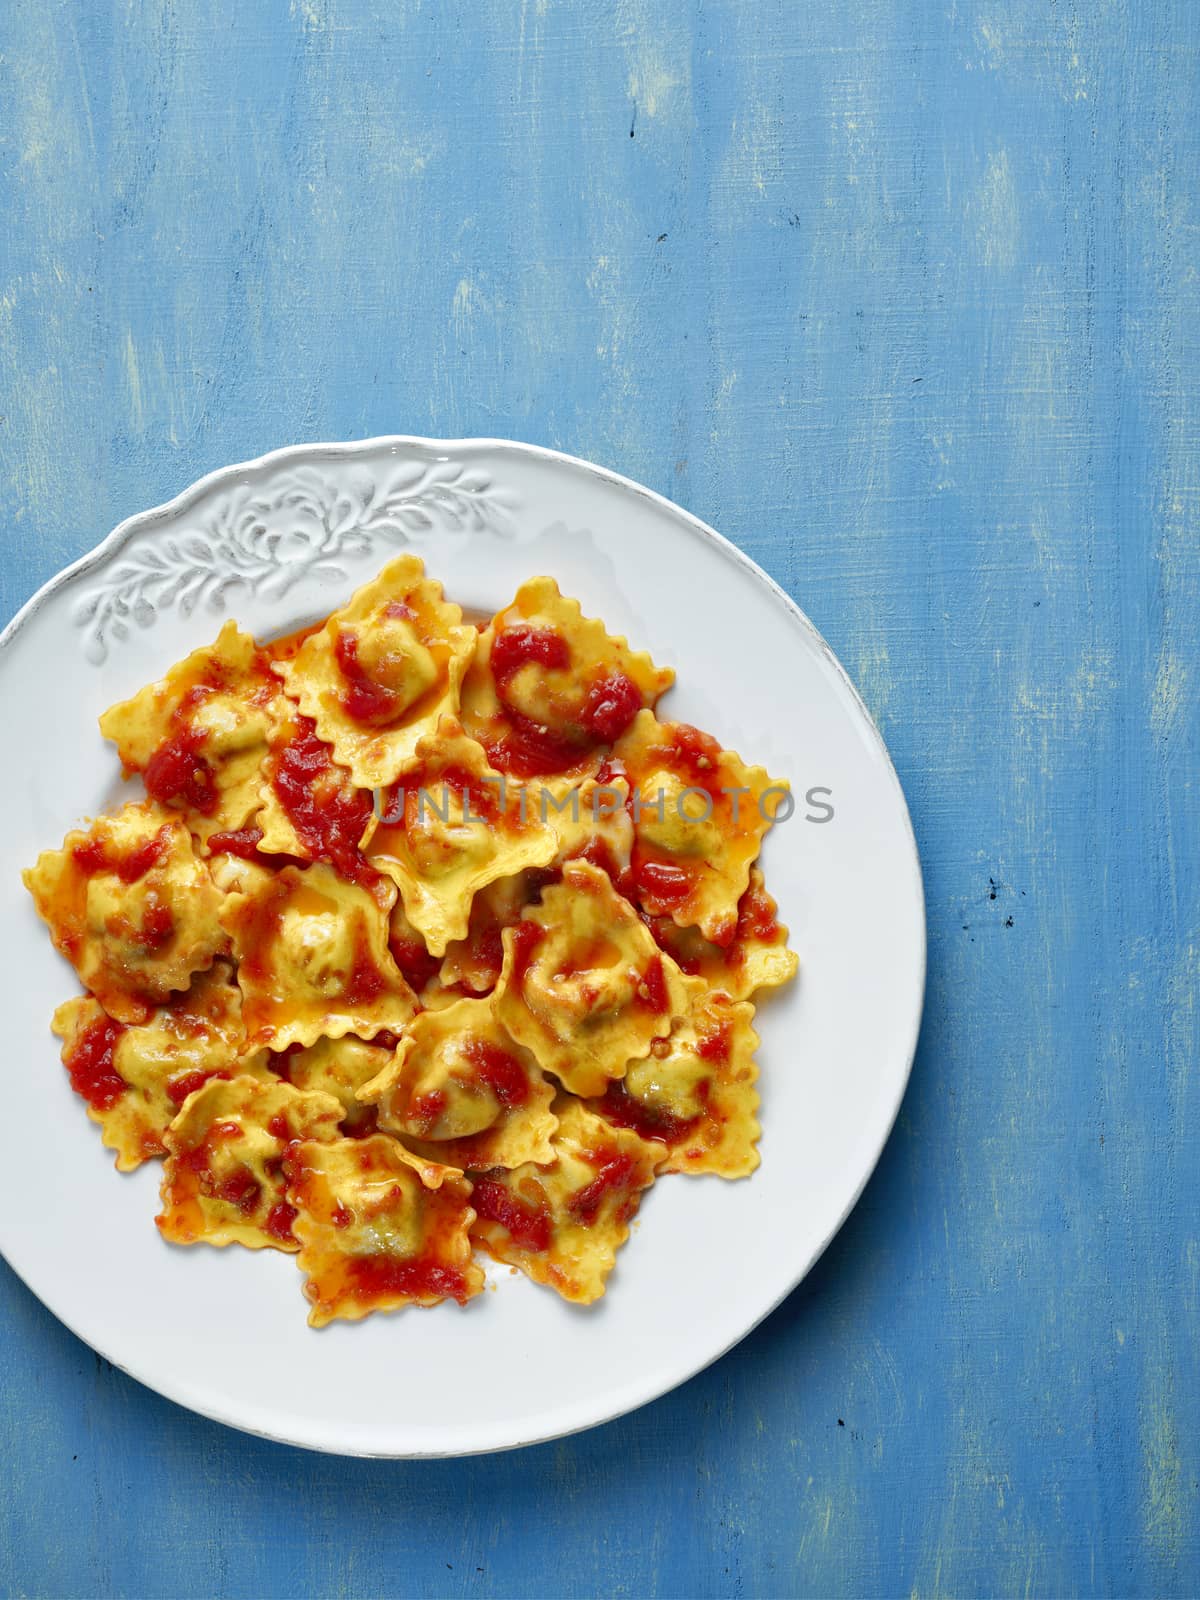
903	298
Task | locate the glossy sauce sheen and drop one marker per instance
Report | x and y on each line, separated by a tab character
526	1224
330	826
90	1065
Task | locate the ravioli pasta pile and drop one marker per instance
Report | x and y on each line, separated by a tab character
427	938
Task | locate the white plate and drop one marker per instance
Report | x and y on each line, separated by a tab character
277	543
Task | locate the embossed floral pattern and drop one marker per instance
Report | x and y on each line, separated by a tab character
267	537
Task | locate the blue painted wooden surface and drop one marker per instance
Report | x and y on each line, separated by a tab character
902	296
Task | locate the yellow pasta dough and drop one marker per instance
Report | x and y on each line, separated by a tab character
223	1182
135	1078
584	986
757	957
313	960
549	689
379	1228
461	1091
382	670
699	815
131	907
695	1092
199	735
455	827
563	1224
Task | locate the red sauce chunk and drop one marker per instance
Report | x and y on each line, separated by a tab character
381	1277
528	749
279	1222
187	1083
280	1128
713	1045
526	938
158	925
425	1109
697	753
96	855
611	705
325	810
241	1189
240	842
90	1065
526	1224
177	772
341	1216
613	1176
414	961
365	982
363	699
661	882
515	646
499	1070
654	985
756	916
651	1122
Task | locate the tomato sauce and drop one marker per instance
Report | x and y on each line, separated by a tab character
241	1189
97	855
414	961
654	983
528	749
527	1225
651	1122
279	1222
611	705
499	1070
326	811
381	1276
756	917
178	772
158	925
660	882
363	699
515	646
90	1065
187	1083
615	1172
425	1109
526	938
714	1043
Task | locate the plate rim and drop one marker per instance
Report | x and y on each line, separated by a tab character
223	477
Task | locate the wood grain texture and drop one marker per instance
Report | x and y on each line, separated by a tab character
903	298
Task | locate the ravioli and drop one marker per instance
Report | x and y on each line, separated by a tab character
223	1182
198	736
339	1067
550	689
459	826
382	671
695	1092
131	908
699	815
563	1224
757	957
461	1091
584	986
313	960
135	1078
379	1228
